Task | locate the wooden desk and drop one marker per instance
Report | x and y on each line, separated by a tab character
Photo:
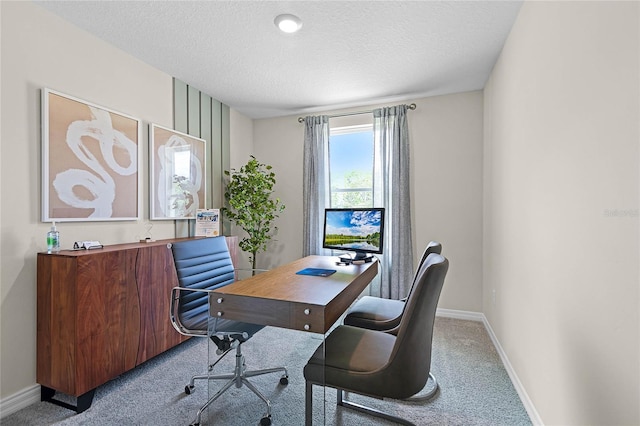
281	298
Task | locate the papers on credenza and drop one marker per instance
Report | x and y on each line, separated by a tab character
207	222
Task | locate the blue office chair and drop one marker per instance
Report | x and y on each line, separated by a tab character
203	265
376	313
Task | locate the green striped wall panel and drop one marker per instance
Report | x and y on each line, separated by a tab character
179	106
218	159
197	114
205	133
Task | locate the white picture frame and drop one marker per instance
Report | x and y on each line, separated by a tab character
177	174
90	161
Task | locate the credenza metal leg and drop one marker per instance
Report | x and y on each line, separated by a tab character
83	402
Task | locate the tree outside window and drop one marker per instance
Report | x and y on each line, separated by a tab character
351	166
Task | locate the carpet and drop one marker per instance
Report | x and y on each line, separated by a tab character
475	388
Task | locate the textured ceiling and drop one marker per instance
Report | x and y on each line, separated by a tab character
348	53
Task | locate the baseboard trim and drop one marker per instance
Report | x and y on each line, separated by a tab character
524	396
19	400
463	315
522	393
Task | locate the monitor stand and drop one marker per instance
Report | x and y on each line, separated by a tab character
358	258
363	256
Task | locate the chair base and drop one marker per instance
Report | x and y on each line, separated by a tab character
371	411
341	401
240	378
430	393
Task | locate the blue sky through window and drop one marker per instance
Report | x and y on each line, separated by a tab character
350	152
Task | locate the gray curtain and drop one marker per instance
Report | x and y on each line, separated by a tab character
315	185
392	191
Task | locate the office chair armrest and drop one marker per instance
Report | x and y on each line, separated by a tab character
175	318
182	329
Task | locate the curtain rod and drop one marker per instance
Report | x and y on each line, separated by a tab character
301	119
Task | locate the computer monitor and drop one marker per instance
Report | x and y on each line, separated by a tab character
359	230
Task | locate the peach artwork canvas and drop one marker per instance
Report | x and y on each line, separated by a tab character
90	161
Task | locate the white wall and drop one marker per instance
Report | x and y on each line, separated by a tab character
561	234
241	139
446	188
241	136
40	50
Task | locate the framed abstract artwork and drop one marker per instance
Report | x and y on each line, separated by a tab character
176	174
90	161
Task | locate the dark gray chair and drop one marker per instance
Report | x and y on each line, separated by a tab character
203	265
380	364
376	313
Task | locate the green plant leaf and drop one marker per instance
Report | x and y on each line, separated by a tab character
251	206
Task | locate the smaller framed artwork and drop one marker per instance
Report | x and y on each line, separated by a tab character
90	161
176	174
208	223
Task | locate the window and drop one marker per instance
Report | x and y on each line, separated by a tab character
351	161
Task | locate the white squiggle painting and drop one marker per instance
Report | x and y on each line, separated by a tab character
100	184
177	174
92	162
180	179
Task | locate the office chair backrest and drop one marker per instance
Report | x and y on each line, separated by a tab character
200	264
410	359
432	247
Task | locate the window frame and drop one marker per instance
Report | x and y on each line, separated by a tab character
345	130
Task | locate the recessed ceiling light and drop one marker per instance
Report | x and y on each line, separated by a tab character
288	23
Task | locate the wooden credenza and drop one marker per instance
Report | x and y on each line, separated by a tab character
101	313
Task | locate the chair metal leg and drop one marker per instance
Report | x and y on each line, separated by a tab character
260	395
254	373
192	383
239	377
213	398
371	411
430	393
377	413
308	404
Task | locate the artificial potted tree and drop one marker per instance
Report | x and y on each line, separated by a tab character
251	205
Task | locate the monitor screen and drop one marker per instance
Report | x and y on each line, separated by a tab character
360	230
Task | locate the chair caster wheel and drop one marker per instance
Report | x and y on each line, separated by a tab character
265	421
284	380
188	390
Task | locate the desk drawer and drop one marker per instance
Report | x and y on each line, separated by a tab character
275	313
